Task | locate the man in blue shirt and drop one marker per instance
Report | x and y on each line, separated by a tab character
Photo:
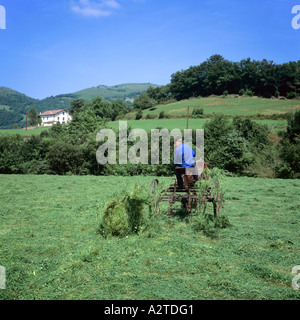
183	158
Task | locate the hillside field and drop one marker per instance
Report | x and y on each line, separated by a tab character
148	125
241	106
51	247
177	112
181	124
23	132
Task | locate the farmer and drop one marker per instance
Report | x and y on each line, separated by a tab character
183	159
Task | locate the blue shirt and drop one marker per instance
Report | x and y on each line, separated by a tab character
184	156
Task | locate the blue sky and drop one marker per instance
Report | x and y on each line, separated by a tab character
51	47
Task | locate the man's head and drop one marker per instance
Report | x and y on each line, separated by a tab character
177	141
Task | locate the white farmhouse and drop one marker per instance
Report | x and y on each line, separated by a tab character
52	117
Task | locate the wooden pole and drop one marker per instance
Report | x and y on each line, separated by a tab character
187	126
26	121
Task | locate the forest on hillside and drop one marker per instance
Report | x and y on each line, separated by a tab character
14	105
218	76
215	76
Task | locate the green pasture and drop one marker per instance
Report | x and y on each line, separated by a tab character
148	125
181	124
51	247
23	132
229	106
177	113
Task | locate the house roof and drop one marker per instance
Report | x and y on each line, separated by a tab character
51	112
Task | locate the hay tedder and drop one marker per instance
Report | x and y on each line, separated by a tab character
191	195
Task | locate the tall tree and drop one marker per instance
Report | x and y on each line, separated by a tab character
32	117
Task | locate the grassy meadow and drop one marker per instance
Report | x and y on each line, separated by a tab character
177	113
241	106
181	124
148	125
23	132
51	247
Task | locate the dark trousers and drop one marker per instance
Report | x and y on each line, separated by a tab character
179	171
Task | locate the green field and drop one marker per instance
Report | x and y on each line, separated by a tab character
177	112
23	132
181	124
229	106
147	125
51	247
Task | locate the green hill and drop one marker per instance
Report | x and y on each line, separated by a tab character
241	106
14	105
126	91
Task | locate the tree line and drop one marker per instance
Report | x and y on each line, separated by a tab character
218	76
239	146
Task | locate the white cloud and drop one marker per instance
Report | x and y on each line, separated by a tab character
94	8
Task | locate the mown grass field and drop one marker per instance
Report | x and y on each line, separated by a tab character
51	247
148	125
23	132
229	106
181	124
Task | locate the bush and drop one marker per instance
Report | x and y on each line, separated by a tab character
150	116
161	115
36	167
143	101
64	157
290	155
11	156
197	113
255	133
246	92
225	148
291	95
139	115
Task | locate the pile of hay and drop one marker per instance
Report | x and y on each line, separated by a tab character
125	214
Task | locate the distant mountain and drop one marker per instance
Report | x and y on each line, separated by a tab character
122	91
14	105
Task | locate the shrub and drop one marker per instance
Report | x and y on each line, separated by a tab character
139	115
143	101
225	148
36	167
255	133
246	92
11	156
225	93
161	115
197	113
291	95
63	157
150	116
